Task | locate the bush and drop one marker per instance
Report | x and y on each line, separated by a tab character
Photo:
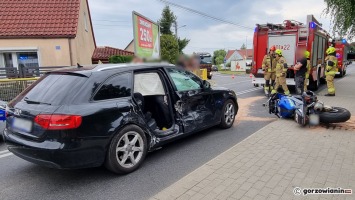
169	48
120	59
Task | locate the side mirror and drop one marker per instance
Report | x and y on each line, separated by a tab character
206	84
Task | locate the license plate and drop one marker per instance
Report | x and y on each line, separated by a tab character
313	119
22	125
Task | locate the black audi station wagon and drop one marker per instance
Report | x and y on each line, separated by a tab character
111	114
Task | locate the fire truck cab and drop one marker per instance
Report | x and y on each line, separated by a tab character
206	62
289	36
342	50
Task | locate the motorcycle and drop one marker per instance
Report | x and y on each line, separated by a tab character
305	109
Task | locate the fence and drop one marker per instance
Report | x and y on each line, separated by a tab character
26	71
10	88
13	81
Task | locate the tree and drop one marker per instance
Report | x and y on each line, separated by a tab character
166	21
169	48
243	46
218	56
120	59
343	16
182	44
219	60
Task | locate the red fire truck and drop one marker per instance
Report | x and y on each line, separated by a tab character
342	48
287	37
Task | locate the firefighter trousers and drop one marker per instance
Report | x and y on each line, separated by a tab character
269	80
281	81
330	84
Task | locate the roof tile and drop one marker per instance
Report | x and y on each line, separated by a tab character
102	53
39	18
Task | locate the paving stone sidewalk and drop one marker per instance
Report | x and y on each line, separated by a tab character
276	159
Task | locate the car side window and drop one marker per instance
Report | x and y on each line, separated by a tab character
115	87
184	80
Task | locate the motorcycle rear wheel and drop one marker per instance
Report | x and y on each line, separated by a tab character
336	115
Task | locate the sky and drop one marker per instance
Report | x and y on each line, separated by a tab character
112	20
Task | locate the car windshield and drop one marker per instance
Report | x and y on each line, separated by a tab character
206	60
53	89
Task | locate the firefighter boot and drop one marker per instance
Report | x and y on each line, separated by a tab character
266	90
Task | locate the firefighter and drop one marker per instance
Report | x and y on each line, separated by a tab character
306	82
330	70
281	69
301	71
268	67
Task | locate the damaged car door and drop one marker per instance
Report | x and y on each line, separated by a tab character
195	104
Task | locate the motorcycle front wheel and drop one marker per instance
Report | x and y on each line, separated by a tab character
335	115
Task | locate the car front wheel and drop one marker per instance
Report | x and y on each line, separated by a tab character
228	114
127	150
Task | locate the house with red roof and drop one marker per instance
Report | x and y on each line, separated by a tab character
232	55
45	33
104	53
247	55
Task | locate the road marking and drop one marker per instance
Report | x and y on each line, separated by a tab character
248	91
4	151
233	83
5	155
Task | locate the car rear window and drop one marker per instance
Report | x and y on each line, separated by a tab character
55	89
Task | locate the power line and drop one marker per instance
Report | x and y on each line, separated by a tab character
105	20
111	25
204	14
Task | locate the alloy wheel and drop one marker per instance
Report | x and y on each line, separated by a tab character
129	149
229	113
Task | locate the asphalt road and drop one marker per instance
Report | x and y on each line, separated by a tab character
20	179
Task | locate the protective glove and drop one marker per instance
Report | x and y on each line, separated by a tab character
328	68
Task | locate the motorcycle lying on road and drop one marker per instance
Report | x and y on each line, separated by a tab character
305	109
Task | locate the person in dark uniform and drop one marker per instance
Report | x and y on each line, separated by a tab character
301	70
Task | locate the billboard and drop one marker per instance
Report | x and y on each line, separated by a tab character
146	36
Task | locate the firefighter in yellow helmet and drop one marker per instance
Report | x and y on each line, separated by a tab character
307	55
268	67
281	69
330	70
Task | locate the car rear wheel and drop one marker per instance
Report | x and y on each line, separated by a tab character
228	114
127	150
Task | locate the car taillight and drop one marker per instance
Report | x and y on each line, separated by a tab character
58	122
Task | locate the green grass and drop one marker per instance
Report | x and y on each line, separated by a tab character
230	72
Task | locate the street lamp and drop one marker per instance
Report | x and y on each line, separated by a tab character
176	28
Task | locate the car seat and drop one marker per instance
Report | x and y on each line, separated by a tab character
138	97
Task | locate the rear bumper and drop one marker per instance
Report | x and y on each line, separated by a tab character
289	81
69	154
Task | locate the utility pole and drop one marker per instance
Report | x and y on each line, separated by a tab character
246	47
176	34
176	29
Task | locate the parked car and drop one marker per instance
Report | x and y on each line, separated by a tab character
215	68
112	114
2	117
